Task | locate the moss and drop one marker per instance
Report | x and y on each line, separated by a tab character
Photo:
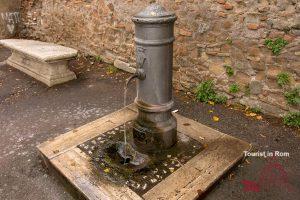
98	58
111	69
247	90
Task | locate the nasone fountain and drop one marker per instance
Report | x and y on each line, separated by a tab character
144	151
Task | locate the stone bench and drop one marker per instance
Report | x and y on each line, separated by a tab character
45	62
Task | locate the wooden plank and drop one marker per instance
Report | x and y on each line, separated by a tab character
197	175
77	168
195	130
78	136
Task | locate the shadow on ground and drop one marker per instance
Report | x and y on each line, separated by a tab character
31	113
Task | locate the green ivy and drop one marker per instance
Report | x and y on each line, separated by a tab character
292	119
276	45
293	96
205	92
234	88
283	79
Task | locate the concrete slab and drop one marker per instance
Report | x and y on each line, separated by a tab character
190	181
42	51
43	61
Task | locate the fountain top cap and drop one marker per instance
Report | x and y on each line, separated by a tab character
153	14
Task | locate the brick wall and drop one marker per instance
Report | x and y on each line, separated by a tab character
210	34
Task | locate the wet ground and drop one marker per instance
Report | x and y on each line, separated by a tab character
31	113
140	172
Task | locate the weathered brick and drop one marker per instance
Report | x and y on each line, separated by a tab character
228	6
253	26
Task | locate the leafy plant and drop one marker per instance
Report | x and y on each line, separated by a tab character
256	110
220	99
111	69
229	70
292	119
293	96
234	88
98	58
205	92
276	45
283	79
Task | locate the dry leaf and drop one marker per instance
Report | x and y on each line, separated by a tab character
252	114
211	103
216	119
262	135
107	170
210	111
259	117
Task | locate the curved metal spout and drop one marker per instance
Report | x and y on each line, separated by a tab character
130	79
140	74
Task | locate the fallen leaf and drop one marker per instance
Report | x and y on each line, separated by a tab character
216	119
210	111
211	103
262	135
259	117
252	114
107	170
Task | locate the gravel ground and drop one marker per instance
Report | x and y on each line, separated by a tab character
31	113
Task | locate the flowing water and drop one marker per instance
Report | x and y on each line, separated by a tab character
125	132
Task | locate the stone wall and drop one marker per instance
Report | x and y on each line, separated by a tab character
210	34
9	18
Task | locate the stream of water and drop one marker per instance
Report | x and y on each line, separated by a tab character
125	132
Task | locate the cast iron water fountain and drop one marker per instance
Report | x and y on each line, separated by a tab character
149	149
141	151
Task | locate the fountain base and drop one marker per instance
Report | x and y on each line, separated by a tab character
74	156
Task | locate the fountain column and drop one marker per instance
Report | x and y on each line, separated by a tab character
155	128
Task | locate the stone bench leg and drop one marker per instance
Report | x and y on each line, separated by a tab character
50	73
